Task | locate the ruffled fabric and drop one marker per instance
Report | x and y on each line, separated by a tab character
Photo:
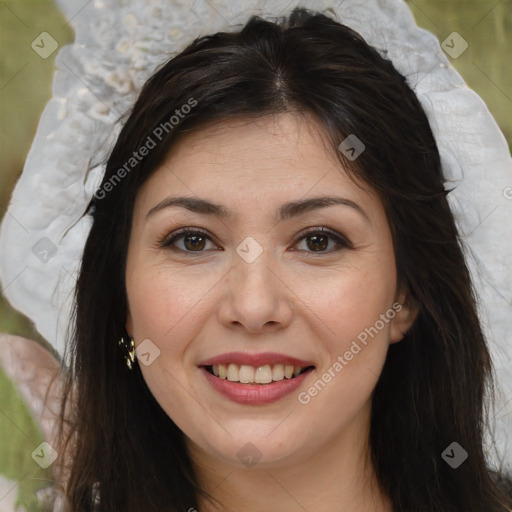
118	46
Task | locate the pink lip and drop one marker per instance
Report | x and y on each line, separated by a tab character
255	360
254	394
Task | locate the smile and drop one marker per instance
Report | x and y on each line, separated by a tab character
255	379
247	374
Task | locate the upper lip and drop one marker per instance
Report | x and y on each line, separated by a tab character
255	360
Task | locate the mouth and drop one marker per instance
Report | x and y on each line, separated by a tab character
265	374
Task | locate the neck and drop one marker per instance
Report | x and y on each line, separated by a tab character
340	476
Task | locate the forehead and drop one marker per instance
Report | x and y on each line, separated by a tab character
253	161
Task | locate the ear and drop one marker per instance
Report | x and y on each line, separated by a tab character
406	312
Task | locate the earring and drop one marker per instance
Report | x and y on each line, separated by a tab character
129	350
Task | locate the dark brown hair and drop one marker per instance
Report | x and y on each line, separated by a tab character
431	391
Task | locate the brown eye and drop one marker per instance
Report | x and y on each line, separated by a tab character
317	241
193	241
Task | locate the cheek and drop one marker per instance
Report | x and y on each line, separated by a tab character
168	306
352	319
164	301
350	301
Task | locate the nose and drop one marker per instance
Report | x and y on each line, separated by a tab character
256	298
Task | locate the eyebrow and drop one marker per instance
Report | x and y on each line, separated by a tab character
284	212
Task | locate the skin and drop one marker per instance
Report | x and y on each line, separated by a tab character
196	305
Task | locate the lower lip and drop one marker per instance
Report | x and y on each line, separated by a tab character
255	394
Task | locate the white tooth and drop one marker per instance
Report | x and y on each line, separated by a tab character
223	371
263	375
215	369
246	374
278	372
297	371
233	372
288	371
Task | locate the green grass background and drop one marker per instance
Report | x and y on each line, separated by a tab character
25	87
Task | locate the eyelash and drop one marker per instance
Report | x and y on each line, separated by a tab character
341	242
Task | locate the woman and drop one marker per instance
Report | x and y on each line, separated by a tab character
271	363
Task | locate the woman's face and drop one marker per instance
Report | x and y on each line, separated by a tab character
260	289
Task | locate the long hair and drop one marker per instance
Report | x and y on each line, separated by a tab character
432	388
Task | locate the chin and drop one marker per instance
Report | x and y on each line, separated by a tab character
259	448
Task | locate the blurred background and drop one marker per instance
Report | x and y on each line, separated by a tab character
25	87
